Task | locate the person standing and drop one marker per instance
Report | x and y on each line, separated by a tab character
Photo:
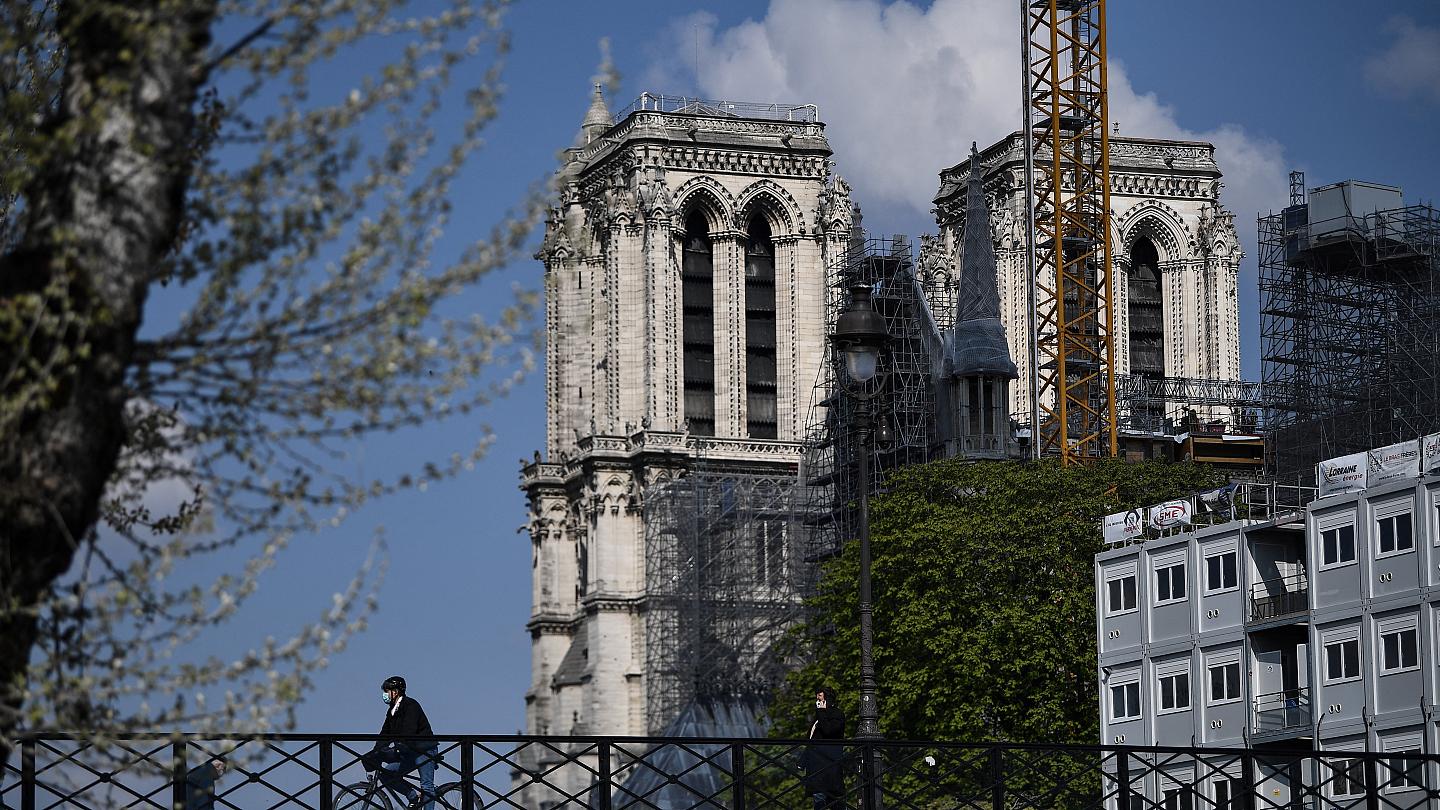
824	778
200	783
394	758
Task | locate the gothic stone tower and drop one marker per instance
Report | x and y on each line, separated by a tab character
1175	248
684	288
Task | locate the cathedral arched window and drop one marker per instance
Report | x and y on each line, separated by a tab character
761	418
582	568
697	278
1146	313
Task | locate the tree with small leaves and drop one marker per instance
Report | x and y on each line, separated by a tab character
203	146
984	598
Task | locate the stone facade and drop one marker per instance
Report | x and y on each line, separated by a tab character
1166	214
684	274
648	371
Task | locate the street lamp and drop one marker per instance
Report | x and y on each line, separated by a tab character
861	336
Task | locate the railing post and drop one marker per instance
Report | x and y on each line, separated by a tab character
605	797
1372	784
27	774
1122	776
737	776
1247	780
178	772
327	774
467	775
997	778
867	775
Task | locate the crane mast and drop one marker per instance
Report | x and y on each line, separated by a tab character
1070	283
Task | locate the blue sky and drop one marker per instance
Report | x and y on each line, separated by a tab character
1337	89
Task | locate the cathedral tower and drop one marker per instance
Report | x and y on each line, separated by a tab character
684	290
1176	253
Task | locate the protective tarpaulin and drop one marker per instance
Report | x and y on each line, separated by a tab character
682	777
978	344
979	347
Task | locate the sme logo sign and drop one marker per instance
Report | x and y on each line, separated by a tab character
1170	514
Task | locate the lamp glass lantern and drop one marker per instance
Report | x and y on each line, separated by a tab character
861	335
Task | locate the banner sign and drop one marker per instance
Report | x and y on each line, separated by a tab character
1430	455
1218	502
1392	463
1122	527
1343	474
1170	514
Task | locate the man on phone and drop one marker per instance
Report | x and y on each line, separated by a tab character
200	783
824	779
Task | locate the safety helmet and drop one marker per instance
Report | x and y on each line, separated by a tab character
394	682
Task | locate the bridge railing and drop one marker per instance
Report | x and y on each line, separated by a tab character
631	773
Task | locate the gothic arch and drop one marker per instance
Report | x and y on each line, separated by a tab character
770	198
1164	227
554	517
706	195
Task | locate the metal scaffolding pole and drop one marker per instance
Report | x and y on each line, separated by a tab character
1349	330
725	571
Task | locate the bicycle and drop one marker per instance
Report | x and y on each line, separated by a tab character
376	795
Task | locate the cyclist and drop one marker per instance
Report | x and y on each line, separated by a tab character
394	758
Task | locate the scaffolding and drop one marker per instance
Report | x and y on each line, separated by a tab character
916	312
1164	404
725	570
1349	329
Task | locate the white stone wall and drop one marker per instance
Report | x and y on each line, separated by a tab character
1168	191
612	255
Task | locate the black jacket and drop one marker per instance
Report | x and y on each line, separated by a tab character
824	759
200	787
407	720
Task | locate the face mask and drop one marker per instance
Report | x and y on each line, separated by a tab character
385	698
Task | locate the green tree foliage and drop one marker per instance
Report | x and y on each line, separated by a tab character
984	600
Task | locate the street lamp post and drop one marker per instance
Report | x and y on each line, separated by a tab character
861	336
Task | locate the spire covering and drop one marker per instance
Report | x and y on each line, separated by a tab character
978	344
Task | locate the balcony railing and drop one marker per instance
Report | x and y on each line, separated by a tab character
1276	598
1282	711
659	102
1248	501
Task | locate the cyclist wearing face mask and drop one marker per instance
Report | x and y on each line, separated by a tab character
395	758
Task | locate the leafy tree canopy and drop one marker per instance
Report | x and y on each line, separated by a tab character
984	600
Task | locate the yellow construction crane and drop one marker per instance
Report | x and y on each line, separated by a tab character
1067	163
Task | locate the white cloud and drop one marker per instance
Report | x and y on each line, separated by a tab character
1411	65
903	90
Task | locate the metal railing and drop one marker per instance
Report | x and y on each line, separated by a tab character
1274	598
632	773
659	102
1286	710
1248	501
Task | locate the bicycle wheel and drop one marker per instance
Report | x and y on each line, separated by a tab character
451	796
359	796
